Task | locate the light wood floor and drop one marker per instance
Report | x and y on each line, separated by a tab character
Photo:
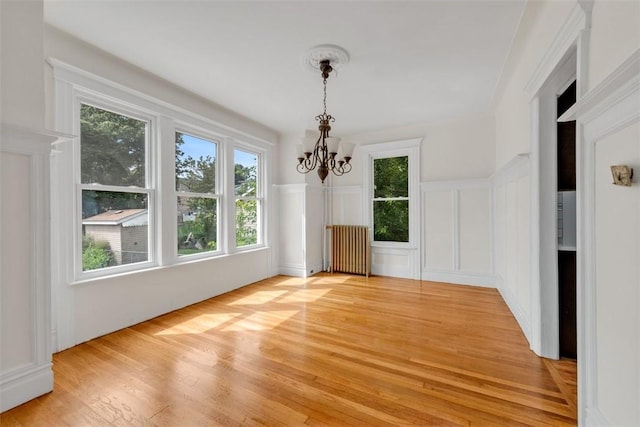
332	349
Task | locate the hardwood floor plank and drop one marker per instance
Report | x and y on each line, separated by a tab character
332	349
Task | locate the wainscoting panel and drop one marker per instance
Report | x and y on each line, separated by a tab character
456	232
301	228
474	206
25	288
292	229
346	205
438	225
511	235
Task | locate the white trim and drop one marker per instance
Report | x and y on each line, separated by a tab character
35	376
455	210
576	22
518	311
295	270
456	275
21	140
620	84
387	149
517	167
411	249
565	58
92	82
410	271
71	85
596	418
460	278
104	103
603	111
259	198
29	383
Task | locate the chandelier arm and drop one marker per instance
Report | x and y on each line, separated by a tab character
304	166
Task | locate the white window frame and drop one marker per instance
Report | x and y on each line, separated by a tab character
113	106
411	149
217	195
73	85
259	197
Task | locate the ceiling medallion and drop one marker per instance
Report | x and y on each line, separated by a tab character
336	55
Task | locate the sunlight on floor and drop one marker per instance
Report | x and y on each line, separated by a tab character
295	281
200	324
261	320
304	295
259	297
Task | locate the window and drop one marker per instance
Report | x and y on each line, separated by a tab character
391	171
197	201
390	203
114	189
246	190
148	184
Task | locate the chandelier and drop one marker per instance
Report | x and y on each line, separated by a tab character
320	151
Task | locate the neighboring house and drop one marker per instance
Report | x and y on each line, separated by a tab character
125	230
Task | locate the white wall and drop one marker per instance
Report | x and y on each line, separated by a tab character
22	68
617	283
615	35
539	25
66	48
452	150
95	307
615	38
106	305
517	162
287	174
456	159
609	329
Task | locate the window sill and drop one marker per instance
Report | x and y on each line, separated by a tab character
90	280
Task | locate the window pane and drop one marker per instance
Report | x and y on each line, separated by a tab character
391	221
197	225
195	164
114	229
246	222
246	169
112	148
391	177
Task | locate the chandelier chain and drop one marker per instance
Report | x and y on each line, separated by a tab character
324	82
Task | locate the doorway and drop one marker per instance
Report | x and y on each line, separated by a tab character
566	214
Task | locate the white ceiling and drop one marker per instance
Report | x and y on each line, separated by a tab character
411	61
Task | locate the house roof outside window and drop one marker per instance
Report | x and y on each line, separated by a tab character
124	217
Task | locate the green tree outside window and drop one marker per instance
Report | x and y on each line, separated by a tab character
390	199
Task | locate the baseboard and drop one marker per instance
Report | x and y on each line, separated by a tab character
19	388
297	270
596	418
472	279
517	311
